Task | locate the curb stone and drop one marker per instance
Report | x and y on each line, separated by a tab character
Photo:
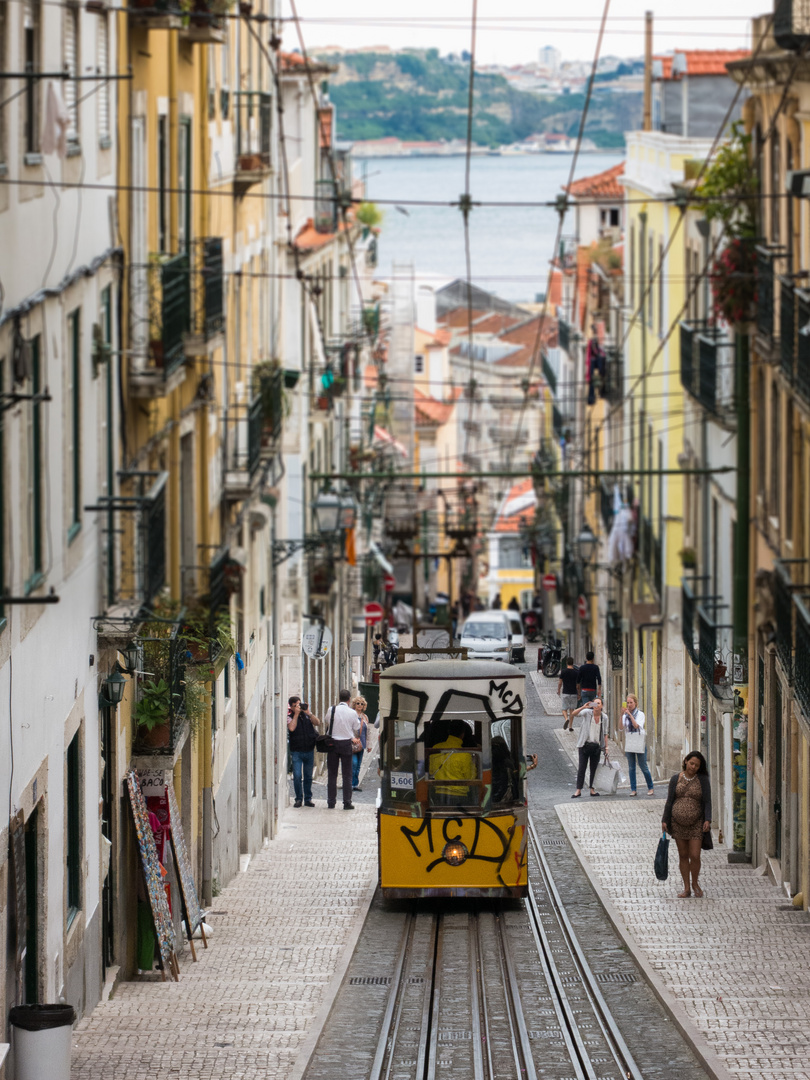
703	1051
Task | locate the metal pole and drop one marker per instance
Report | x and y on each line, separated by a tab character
742	762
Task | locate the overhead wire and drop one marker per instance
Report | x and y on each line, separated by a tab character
465	212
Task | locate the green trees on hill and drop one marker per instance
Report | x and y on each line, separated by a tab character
417	96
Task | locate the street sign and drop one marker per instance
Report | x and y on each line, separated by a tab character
582	607
549	582
317	641
373	613
389	582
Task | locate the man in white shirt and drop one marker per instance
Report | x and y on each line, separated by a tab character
343	724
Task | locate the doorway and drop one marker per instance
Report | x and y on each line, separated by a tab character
30	977
777	781
107	889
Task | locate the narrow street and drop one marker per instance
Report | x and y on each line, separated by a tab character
303	955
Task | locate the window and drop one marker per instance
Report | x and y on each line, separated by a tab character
775	432
74	422
35	457
73	853
31	97
103	68
419	364
71	62
615	217
163	183
184	183
775	201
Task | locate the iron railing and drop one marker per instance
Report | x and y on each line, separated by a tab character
213	280
243	438
802	663
707	367
783	615
766	293
254	127
787	327
714	651
802	368
790	25
326	207
688	334
165	655
169	310
688	612
614	375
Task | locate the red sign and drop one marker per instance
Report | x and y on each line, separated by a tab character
582	607
549	582
389	583
373	613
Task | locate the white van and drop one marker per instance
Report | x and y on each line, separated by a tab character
487	635
518	640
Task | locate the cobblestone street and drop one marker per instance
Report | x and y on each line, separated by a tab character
243	1011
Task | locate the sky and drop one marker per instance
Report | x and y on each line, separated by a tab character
512	31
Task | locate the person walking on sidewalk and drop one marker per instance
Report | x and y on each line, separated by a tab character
590	680
343	725
303	732
359	706
688	816
592	740
568	689
635	743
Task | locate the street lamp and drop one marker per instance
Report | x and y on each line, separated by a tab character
327	509
114	687
586	543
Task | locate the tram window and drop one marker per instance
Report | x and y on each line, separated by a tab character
405	762
507	762
454	764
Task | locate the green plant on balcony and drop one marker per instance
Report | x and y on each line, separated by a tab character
267	381
688	557
208	634
153	707
370	216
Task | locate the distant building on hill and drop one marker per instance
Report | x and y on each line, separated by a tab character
549	58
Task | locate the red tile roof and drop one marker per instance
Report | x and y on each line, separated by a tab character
526	335
494	323
512	522
458	317
703	61
309	239
604	185
429	410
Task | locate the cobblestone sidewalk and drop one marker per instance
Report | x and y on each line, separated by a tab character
735	961
246	1008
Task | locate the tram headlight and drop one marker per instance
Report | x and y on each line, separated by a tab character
455	853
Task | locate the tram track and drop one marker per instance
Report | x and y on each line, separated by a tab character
468	1001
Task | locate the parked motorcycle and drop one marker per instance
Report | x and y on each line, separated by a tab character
531	625
549	658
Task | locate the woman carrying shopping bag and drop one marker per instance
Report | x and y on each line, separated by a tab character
591	741
635	744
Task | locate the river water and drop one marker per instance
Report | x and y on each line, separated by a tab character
510	246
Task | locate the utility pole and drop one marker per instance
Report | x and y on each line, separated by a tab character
648	42
741	742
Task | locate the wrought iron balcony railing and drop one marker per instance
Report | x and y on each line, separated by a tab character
169	310
243	447
162	690
787	327
770	262
802	662
614	375
783	614
253	126
714	651
802	367
688	620
707	367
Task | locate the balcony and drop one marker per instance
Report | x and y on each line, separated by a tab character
714	651
253	126
243	447
769	262
791	27
205	22
134	528
783	614
325	217
802	672
168	285
614	375
688	623
208	297
787	323
707	368
802	368
156	14
168	700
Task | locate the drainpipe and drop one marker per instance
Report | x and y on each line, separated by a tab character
742	573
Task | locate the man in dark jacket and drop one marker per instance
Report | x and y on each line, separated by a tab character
302	732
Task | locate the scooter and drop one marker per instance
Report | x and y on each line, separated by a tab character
531	626
549	659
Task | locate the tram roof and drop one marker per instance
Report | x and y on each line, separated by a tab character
452	670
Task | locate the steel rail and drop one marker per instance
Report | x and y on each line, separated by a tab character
618	1047
521	1046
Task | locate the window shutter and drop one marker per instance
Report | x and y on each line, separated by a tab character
71	66
102	68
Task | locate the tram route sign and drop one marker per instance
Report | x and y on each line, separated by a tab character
317	641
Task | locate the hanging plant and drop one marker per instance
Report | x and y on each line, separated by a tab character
734	283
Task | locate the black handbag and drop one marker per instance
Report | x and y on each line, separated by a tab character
706	842
662	858
325	743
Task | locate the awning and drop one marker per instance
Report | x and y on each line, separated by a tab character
385	436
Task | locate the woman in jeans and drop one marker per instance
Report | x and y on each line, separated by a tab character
635	744
359	705
591	742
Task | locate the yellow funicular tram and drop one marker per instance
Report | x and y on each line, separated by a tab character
452	814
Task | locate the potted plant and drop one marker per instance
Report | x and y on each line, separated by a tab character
152	713
688	557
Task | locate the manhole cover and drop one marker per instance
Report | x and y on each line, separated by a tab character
616	977
370	980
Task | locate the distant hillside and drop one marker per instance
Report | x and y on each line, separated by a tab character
419	95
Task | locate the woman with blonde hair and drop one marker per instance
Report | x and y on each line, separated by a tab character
359	705
635	743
